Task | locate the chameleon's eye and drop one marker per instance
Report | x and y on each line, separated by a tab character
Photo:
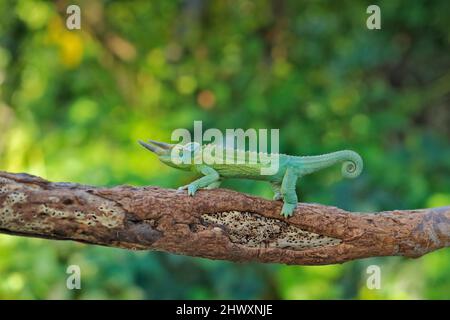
178	150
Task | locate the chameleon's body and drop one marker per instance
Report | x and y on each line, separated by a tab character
214	168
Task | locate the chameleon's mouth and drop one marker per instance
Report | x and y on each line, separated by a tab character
160	148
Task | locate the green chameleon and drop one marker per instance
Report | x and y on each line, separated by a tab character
283	181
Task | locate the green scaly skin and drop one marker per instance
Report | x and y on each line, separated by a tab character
283	182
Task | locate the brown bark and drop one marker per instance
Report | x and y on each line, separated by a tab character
216	224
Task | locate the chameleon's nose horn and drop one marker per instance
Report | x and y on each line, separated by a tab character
149	146
160	144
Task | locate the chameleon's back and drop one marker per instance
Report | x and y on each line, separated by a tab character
231	163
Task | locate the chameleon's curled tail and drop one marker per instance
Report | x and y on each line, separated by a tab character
352	165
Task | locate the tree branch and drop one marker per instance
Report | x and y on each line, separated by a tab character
216	224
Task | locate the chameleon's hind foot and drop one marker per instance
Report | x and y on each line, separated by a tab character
288	209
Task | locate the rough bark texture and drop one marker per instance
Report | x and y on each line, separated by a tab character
216	224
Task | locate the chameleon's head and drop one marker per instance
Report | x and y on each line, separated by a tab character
175	155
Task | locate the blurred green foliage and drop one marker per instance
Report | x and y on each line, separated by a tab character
73	104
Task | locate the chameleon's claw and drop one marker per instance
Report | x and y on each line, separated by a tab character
192	188
182	188
288	209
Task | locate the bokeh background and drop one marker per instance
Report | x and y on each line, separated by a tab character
73	104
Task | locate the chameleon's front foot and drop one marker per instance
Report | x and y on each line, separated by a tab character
288	209
191	189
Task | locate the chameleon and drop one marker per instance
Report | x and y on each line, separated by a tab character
290	168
